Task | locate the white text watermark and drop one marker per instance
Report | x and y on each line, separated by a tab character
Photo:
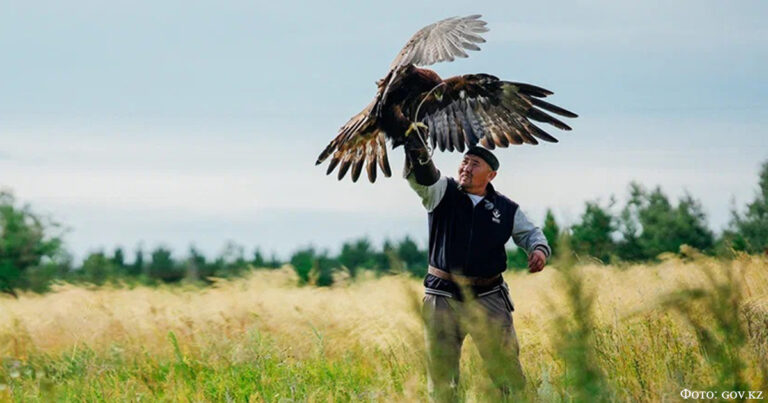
726	395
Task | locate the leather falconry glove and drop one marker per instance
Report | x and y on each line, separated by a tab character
418	161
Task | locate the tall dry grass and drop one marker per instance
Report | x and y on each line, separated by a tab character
589	332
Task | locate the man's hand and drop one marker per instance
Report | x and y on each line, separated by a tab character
536	261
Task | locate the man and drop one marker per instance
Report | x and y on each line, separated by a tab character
469	225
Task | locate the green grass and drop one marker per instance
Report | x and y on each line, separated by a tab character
262	372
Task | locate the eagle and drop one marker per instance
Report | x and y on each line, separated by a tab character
452	114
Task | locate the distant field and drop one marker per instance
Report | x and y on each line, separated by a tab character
264	339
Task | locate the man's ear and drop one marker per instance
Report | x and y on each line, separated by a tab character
491	176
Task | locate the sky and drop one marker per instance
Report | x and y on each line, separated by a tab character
178	123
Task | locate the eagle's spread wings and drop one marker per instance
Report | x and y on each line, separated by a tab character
460	111
474	108
361	139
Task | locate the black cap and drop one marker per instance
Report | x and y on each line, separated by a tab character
486	155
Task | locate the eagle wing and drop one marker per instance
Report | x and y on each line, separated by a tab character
442	41
480	108
358	141
361	139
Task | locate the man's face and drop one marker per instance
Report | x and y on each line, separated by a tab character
474	173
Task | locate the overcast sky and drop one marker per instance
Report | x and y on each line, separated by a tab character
181	122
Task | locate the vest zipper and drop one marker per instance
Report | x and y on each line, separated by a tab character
471	230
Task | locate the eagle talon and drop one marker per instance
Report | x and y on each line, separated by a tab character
414	126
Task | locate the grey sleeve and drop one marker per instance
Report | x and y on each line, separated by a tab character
528	236
430	195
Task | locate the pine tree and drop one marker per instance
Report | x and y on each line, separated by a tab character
650	224
551	230
592	236
749	232
118	258
258	259
137	268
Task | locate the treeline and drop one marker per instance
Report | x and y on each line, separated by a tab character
647	225
31	260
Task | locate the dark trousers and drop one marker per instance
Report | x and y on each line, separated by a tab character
488	319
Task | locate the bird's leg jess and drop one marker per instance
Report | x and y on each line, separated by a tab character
415	126
418	127
402	120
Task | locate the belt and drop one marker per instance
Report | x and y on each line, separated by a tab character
463	280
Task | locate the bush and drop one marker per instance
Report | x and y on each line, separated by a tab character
314	268
97	269
357	255
26	245
302	261
163	268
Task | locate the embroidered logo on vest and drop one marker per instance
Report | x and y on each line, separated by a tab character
496	216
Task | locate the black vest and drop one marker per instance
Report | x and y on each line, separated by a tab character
466	239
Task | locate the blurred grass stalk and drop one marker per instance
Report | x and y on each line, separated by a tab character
583	380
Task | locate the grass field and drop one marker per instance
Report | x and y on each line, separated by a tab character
587	333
